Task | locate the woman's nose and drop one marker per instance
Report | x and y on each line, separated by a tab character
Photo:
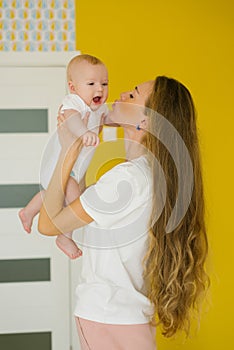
123	96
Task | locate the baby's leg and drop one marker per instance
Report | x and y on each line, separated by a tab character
27	214
68	246
64	241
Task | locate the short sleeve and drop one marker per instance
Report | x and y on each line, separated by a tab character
117	196
103	110
73	101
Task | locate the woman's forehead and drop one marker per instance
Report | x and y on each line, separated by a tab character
146	86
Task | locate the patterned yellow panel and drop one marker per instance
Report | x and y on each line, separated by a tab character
37	25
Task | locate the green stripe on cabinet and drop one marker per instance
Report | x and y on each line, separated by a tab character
23	120
24	270
17	195
26	341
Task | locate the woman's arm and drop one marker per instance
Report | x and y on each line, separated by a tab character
54	219
75	123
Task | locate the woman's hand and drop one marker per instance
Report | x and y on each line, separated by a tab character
68	113
68	141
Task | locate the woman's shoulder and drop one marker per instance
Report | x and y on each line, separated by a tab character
136	171
140	164
133	167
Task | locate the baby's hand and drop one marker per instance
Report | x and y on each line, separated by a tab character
90	139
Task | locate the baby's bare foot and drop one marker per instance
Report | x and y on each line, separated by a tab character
68	246
26	220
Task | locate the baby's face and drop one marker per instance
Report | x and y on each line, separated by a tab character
90	82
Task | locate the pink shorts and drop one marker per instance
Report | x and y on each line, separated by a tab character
102	336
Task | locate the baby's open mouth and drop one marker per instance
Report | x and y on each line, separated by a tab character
96	99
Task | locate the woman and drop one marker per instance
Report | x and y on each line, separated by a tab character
136	269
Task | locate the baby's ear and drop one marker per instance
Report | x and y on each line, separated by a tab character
71	86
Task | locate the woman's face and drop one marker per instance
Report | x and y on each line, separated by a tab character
129	109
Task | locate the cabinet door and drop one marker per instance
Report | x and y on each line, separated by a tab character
34	274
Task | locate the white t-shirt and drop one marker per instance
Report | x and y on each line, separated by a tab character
52	150
111	286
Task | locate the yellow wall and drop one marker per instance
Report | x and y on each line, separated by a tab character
193	42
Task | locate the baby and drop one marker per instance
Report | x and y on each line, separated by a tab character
87	79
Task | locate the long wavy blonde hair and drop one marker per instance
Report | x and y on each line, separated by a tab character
174	263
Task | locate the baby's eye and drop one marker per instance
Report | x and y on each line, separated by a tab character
90	83
105	84
131	96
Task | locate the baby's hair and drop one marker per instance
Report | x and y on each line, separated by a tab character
80	58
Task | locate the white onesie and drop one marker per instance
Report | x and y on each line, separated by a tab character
52	149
